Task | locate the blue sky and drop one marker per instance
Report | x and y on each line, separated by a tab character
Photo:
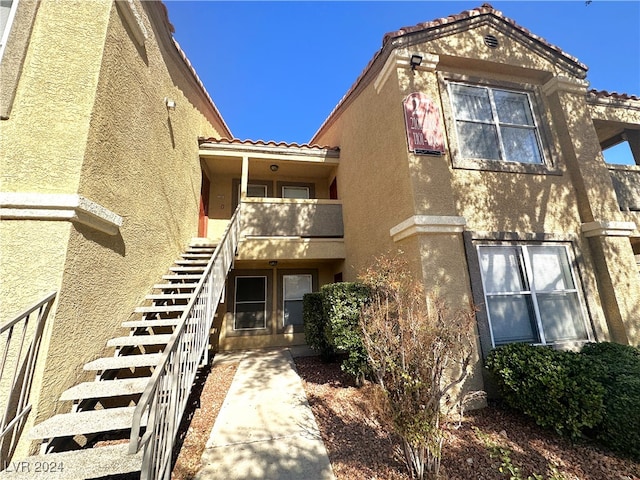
275	70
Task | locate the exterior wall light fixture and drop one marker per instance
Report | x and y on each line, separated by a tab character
415	61
171	104
274	167
273	263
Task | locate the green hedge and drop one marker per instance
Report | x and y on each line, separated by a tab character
315	322
595	393
332	324
618	370
554	388
342	303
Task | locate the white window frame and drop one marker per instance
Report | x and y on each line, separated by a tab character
7	28
496	122
284	293
524	261
236	302
284	187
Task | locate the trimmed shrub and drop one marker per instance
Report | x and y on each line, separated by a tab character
342	303
555	388
315	322
618	370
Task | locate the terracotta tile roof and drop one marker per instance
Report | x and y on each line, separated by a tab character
262	143
613	95
484	9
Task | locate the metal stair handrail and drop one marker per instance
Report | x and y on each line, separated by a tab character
167	392
22	365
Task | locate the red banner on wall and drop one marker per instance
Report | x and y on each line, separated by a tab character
422	121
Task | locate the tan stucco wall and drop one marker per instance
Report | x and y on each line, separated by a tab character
373	177
31	264
553	204
42	146
49	123
90	118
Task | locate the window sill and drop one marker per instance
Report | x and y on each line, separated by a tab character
502	166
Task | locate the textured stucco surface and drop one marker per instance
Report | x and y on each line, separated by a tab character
374	180
49	124
380	180
90	119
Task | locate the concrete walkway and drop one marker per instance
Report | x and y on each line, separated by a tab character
265	428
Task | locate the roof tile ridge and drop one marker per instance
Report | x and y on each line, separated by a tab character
618	95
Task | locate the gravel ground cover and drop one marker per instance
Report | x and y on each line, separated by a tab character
361	448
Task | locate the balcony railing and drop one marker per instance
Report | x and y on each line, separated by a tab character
21	339
165	397
280	217
626	182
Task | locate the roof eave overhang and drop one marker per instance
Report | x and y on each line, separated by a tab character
404	39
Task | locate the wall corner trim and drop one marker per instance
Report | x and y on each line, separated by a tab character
427	224
563	83
401	59
608	229
58	206
134	20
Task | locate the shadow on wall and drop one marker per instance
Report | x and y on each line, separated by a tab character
114	243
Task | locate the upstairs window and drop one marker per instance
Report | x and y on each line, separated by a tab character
291	191
531	294
495	124
7	12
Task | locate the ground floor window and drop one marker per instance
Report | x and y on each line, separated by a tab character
531	294
250	311
293	289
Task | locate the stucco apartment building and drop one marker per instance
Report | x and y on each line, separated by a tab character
468	142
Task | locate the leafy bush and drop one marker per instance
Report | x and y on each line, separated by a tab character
342	303
315	322
555	388
618	370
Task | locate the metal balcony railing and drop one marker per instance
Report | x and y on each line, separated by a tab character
165	397
21	339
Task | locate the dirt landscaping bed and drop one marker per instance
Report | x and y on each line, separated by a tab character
361	448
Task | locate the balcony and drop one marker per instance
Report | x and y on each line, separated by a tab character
280	217
291	229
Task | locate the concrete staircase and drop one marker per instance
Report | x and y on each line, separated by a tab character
91	441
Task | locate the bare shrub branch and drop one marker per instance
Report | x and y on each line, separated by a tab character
419	349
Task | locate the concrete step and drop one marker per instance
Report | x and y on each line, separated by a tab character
204	256
80	423
169	296
106	388
124	361
161	309
135	340
175	286
164	322
194	262
208	250
75	464
190	269
186	276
